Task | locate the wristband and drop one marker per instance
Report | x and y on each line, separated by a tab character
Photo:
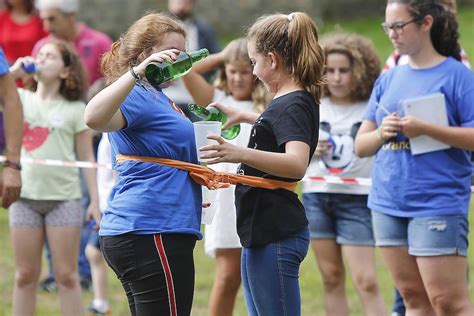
11	164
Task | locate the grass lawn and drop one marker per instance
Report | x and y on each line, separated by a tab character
310	280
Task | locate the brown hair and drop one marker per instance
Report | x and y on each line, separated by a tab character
137	43
365	64
74	86
29	5
294	37
236	51
444	31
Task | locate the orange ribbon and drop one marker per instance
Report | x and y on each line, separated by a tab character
212	179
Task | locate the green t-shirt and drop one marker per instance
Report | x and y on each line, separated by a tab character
49	131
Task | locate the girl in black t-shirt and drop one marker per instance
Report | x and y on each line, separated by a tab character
272	225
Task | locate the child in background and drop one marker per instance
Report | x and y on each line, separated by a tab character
272	224
236	86
50	204
339	219
105	182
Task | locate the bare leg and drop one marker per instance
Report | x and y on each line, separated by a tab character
361	263
27	247
329	259
64	244
445	281
405	273
98	271
226	282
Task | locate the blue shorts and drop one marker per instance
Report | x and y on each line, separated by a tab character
424	236
94	239
343	217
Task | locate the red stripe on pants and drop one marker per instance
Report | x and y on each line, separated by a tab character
169	279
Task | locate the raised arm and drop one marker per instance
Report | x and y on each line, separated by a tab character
201	90
103	110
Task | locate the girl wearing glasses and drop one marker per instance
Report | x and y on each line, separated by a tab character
396	59
420	202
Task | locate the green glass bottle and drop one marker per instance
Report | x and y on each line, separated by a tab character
213	114
157	73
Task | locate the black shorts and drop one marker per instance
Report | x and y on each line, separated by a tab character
156	271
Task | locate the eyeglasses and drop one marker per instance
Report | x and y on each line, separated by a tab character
396	27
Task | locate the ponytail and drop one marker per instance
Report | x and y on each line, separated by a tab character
294	37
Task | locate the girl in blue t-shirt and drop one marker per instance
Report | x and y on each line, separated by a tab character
420	201
150	225
272	224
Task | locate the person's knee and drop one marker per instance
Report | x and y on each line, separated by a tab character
333	277
448	304
93	254
67	278
413	296
25	277
228	281
366	284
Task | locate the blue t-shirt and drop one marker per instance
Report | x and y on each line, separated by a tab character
3	63
150	198
434	183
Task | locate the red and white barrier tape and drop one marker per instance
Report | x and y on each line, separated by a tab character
62	163
342	180
339	180
96	165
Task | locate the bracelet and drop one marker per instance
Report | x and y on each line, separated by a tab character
138	79
11	164
135	75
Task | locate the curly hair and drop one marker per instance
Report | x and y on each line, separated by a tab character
236	51
444	31
365	63
74	86
137	43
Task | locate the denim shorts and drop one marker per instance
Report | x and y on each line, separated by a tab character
343	217
425	236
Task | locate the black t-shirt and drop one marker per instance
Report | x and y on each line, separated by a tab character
265	216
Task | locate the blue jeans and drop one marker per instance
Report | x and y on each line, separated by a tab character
270	276
398	304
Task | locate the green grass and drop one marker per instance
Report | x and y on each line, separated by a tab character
310	280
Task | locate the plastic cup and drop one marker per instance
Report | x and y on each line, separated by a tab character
208	196
202	129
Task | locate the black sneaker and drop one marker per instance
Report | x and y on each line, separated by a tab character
48	284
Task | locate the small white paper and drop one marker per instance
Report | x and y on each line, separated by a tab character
430	108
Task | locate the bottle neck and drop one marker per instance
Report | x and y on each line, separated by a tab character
199	111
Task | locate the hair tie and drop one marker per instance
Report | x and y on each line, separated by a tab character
291	16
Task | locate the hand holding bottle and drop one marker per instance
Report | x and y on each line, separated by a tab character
233	115
169	55
23	66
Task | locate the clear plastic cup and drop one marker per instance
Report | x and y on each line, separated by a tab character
201	130
208	196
